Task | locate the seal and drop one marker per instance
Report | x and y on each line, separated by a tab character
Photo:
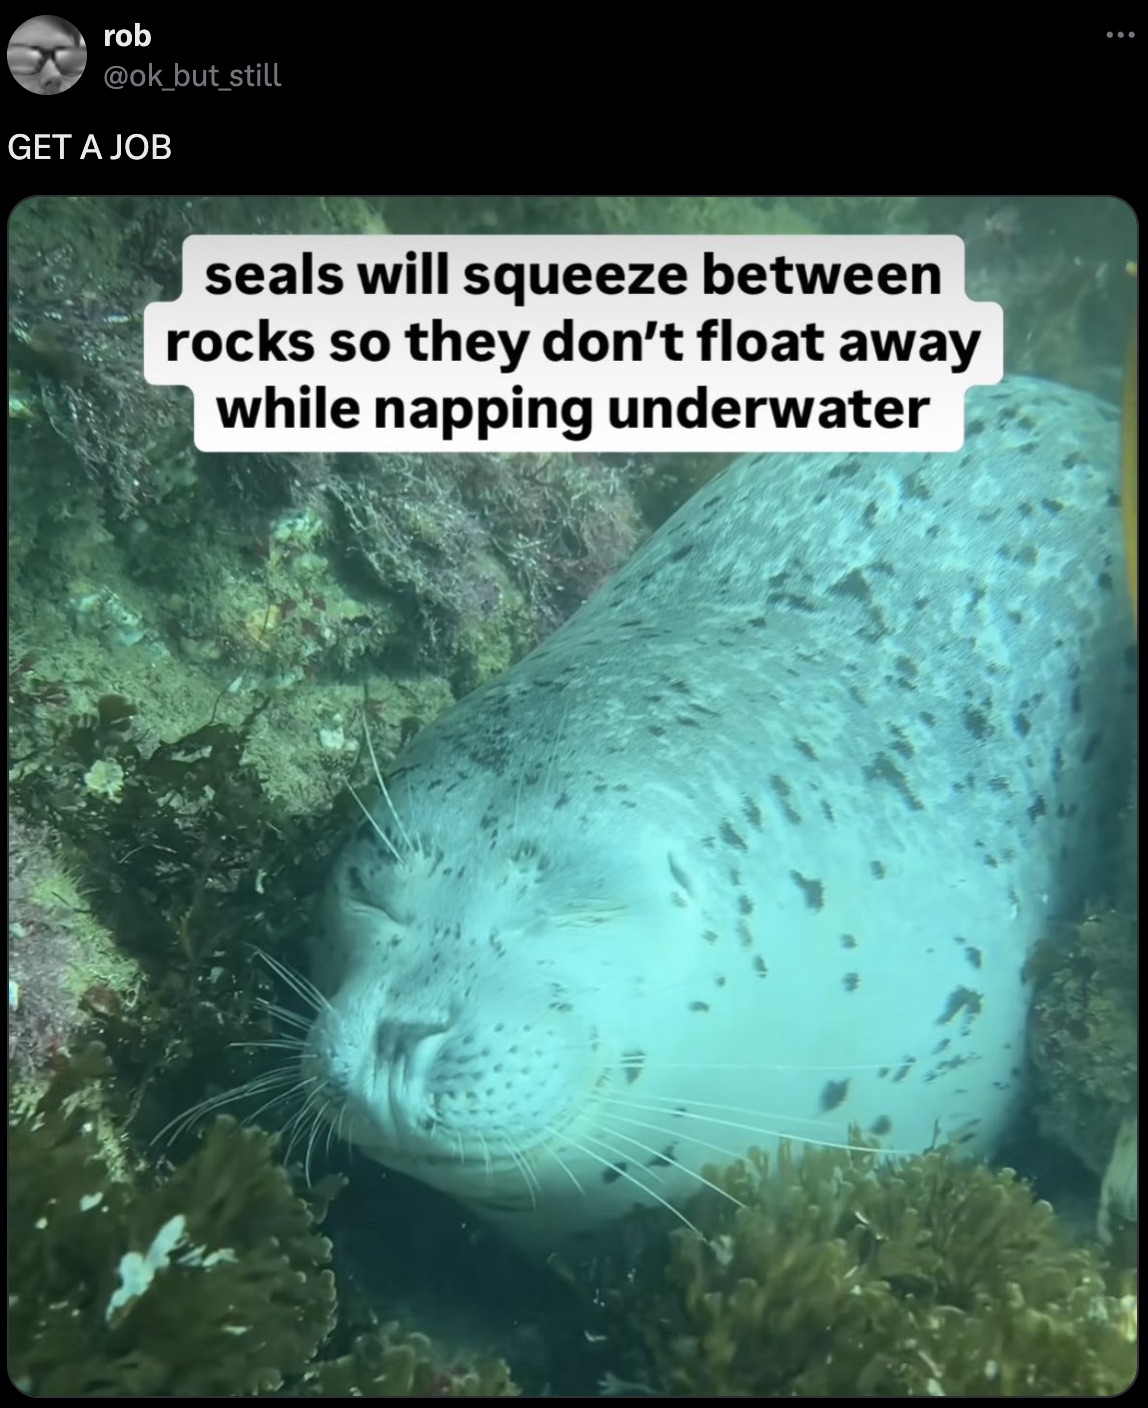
756	846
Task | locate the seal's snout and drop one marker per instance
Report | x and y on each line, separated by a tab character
379	1072
434	1083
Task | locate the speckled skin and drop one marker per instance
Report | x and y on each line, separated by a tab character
757	844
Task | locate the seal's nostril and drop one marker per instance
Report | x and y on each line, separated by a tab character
403	1041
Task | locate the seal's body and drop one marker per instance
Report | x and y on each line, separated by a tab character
757	844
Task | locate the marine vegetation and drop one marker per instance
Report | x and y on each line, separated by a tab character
213	1280
835	1275
210	1278
178	850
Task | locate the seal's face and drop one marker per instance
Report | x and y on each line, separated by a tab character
469	1033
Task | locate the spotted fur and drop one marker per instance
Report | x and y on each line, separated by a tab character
832	751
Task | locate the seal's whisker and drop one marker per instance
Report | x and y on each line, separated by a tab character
297	1124
522	1164
334	1127
282	1043
375	827
763	1131
317	1124
406	840
487	1162
421	839
316	1093
171	1131
623	1172
310	1111
566	1169
313	1085
283	1014
674	1106
337	1126
283	1097
847	1068
681	1167
676	1133
302	987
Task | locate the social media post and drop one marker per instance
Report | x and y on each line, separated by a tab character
541	724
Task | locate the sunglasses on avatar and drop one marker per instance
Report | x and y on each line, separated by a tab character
30	58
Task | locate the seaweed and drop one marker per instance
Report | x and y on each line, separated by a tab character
187	861
834	1274
392	1363
212	1280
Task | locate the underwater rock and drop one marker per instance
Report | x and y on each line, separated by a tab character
1119	1197
57	953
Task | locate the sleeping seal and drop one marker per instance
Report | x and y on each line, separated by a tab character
754	846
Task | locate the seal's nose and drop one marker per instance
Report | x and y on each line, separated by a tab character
406	1052
400	1043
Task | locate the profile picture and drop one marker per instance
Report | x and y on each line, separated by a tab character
47	55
